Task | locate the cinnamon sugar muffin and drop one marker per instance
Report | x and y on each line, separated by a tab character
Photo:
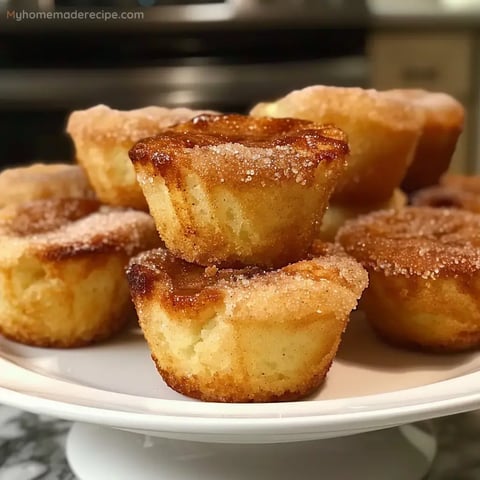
244	335
102	138
41	181
382	134
62	281
424	269
232	189
444	117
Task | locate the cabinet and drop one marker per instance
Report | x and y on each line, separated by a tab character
441	61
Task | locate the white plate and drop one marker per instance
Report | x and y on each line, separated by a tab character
370	386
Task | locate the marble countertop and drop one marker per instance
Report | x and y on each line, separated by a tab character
32	447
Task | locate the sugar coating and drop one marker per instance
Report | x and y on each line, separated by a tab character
237	148
327	262
257	164
64	228
378	128
439	107
415	241
38	181
317	101
246	335
102	123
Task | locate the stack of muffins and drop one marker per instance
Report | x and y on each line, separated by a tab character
64	245
239	308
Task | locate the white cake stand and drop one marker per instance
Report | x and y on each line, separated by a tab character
131	425
96	452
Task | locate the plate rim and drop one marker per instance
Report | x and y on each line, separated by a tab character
424	403
40	392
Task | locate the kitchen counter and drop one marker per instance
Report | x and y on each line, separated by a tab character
33	447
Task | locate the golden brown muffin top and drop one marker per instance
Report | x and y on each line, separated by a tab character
183	285
187	286
322	102
56	229
415	241
41	180
239	148
104	124
439	108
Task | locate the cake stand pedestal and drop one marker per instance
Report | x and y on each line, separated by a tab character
96	452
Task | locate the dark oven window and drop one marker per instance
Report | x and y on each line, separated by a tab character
44	76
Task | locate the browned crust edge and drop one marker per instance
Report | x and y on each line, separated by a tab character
104	331
190	387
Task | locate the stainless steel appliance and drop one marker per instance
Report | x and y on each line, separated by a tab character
222	54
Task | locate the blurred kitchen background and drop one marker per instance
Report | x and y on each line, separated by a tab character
226	55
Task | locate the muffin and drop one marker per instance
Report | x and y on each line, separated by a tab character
62	281
444	118
424	269
102	137
234	190
244	335
382	134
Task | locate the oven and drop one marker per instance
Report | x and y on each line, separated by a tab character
224	55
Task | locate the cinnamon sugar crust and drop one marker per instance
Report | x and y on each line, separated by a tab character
185	285
424	269
57	229
438	107
382	134
453	191
241	149
102	124
43	181
415	241
102	138
234	190
320	100
244	335
62	261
